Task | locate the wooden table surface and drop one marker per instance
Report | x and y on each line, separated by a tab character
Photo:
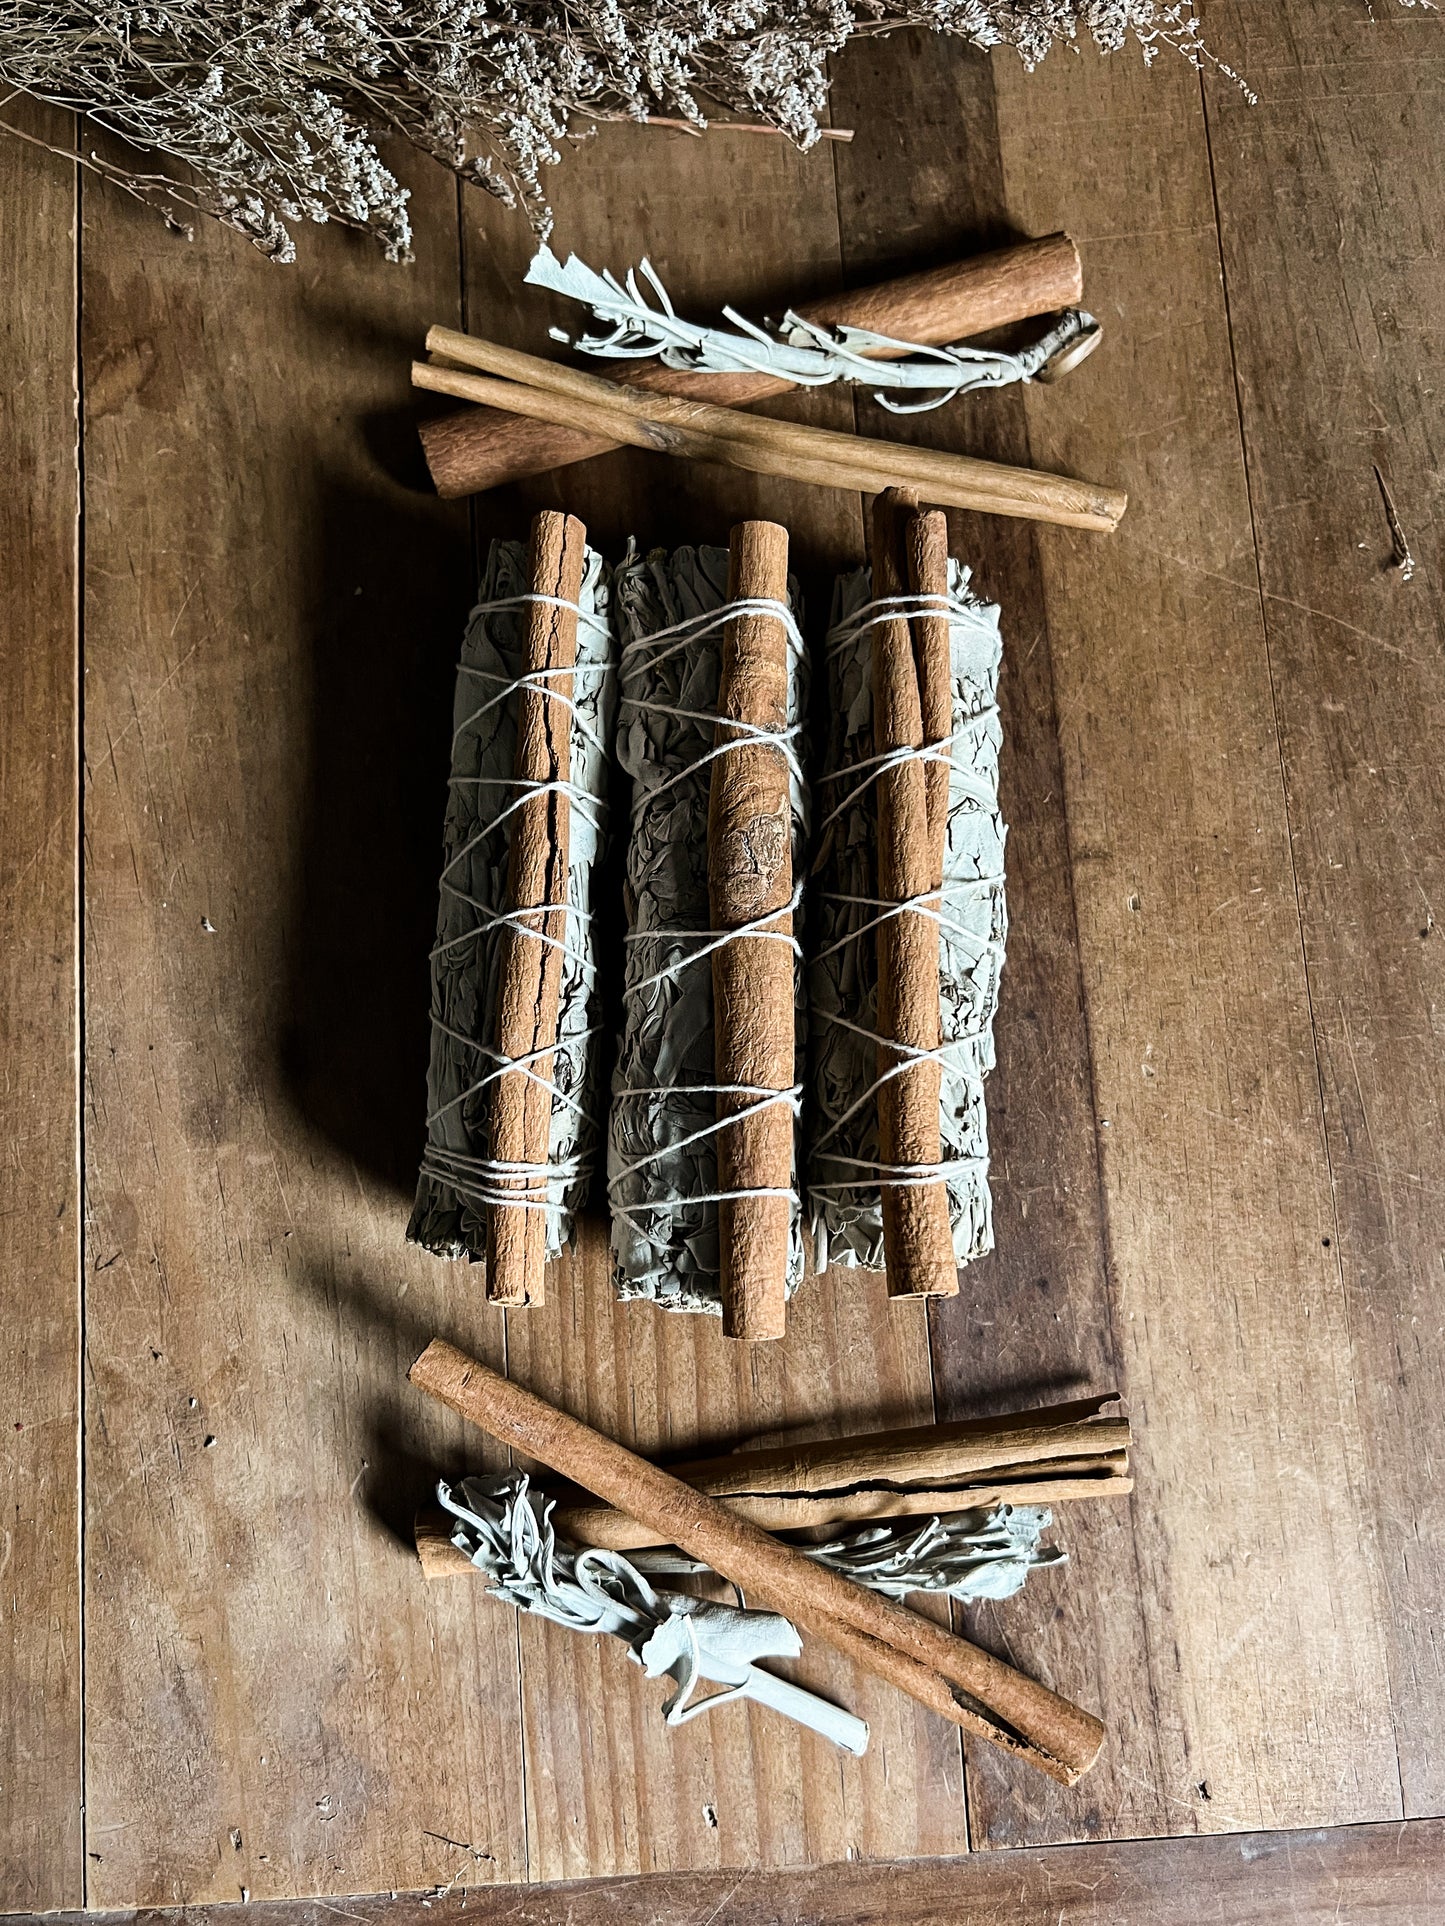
229	616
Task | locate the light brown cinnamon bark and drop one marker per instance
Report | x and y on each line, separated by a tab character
480	448
1052	1455
969	1686
530	963
612	1530
936	1454
925	538
1028	1458
608	1530
750	875
917	1234
527	385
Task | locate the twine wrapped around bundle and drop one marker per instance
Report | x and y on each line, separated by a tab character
512	1095
701	1167
853	1172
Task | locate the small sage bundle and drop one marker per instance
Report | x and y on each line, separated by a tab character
459	1181
663	1182
844	1158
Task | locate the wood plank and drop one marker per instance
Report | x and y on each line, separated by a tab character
40	1772
1386	1875
274	1703
1034	1320
1262	1593
1335	288
609	1789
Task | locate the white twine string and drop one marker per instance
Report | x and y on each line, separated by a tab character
762	1097
748	734
491	1181
889	608
928	903
678	634
640	655
714	940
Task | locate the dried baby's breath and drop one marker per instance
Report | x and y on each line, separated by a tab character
274	111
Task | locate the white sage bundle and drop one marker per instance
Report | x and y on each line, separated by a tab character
505	1531
663	1173
804	352
846	1170
461	1181
984	1553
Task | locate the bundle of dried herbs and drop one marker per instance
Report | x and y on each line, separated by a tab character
662	1156
845	1157
459	1183
274	109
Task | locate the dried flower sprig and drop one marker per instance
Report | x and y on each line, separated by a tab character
274	108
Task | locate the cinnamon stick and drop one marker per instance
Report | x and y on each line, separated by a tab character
969	1686
612	1530
1048	1456
550	391
481	448
530	961
917	1233
750	875
1028	1458
934	1454
925	538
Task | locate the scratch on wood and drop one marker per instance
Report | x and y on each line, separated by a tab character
1404	561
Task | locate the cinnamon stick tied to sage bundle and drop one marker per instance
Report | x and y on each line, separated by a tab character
750	883
946	1673
1060	1454
479	448
912	710
530	953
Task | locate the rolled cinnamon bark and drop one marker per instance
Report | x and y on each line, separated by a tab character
933	1454
917	1233
611	1530
604	1529
1030	1458
750	875
958	1680
525	384
1049	1456
480	448
925	538
530	961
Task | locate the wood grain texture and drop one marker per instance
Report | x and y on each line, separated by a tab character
1347	241
1191	768
1268	1659
40	1698
273	620
1384	1875
1034	1320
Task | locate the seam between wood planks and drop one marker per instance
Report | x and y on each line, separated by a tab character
78	993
